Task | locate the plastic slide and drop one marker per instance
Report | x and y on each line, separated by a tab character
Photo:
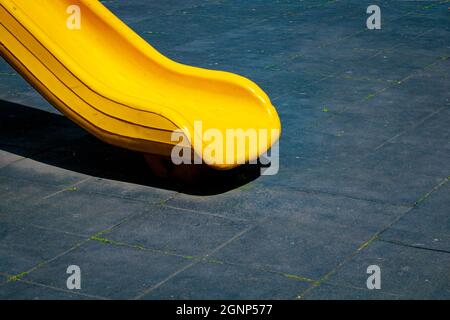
112	83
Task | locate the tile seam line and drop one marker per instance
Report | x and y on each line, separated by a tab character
348	258
136	215
115	243
285	275
189	266
67	188
329	43
416	125
340	195
76	246
437	60
128	198
364	245
389	84
364	30
402	244
39	265
206	213
35	181
74	292
299	190
267	270
21	224
339	285
204	259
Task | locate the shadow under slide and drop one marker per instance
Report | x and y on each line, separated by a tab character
54	140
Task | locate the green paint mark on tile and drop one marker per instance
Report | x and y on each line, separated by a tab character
102	240
16	277
19	276
368	242
369	96
298	278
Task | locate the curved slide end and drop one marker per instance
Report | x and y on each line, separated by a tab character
239	131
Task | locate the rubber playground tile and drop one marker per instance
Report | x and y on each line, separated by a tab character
196	234
356	90
223	281
3	278
332	292
186	28
393	33
410	96
136	7
19	290
81	213
432	43
289	247
310	150
337	143
356	181
316	64
397	157
233	10
437	8
109	271
286	84
248	203
392	10
298	110
125	190
20	195
257	202
405	271
391	65
379	110
7	158
431	82
423	237
358	126
202	59
432	134
42	173
134	12
323	147
254	39
332	22
23	246
427	225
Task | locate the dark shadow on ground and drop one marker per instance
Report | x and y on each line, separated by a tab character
53	139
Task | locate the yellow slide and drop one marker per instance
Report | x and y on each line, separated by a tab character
107	79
